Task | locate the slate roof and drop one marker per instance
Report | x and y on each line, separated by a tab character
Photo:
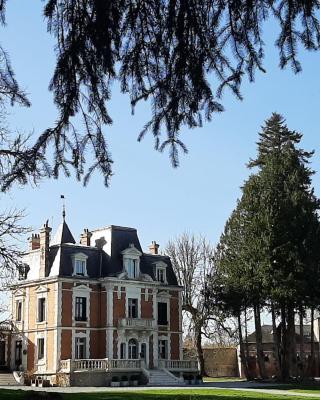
267	334
63	235
99	263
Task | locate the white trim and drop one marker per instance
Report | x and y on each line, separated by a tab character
81	291
85	335
79	257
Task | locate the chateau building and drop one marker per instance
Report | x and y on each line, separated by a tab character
87	313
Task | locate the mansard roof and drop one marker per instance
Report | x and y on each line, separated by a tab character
101	264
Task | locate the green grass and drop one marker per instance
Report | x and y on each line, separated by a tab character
298	388
192	394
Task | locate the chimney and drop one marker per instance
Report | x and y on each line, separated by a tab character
85	237
44	249
34	242
154	247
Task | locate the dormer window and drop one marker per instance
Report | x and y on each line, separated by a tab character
131	262
79	264
80	267
132	269
161	275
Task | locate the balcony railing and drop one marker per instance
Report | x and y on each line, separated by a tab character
182	365
98	365
124	364
84	365
137	323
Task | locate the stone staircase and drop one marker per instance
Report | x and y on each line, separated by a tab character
160	377
7	379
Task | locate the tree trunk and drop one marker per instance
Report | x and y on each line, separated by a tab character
301	364
283	347
311	365
200	356
246	333
291	343
259	346
275	341
244	360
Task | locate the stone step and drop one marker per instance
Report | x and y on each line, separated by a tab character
161	378
7	379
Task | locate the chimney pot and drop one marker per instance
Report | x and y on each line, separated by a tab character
34	242
154	247
85	237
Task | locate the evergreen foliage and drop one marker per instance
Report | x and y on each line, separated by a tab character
176	54
268	256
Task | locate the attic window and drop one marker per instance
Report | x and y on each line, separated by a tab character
80	267
80	264
161	275
132	268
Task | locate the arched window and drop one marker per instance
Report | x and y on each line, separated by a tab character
133	349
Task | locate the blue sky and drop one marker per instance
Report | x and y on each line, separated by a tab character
145	191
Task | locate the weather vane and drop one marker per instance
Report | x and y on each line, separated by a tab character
63	207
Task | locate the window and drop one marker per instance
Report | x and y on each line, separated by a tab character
161	275
123	351
80	267
132	268
81	309
80	348
18	310
40	345
163	346
18	352
162	314
133	308
41	309
133	349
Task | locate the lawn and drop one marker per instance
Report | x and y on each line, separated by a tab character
192	394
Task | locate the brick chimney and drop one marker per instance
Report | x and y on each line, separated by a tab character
44	249
85	237
34	242
154	247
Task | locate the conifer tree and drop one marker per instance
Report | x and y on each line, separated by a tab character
277	251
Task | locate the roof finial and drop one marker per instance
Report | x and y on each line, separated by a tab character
63	207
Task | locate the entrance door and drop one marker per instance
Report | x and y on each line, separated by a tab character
163	349
2	353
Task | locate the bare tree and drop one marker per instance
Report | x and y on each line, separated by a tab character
10	254
191	259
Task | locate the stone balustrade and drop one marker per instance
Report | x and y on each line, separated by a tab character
98	365
137	323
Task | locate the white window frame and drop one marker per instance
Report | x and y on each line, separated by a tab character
42	293
163	297
85	335
41	362
131	254
81	291
17	302
161	266
81	257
